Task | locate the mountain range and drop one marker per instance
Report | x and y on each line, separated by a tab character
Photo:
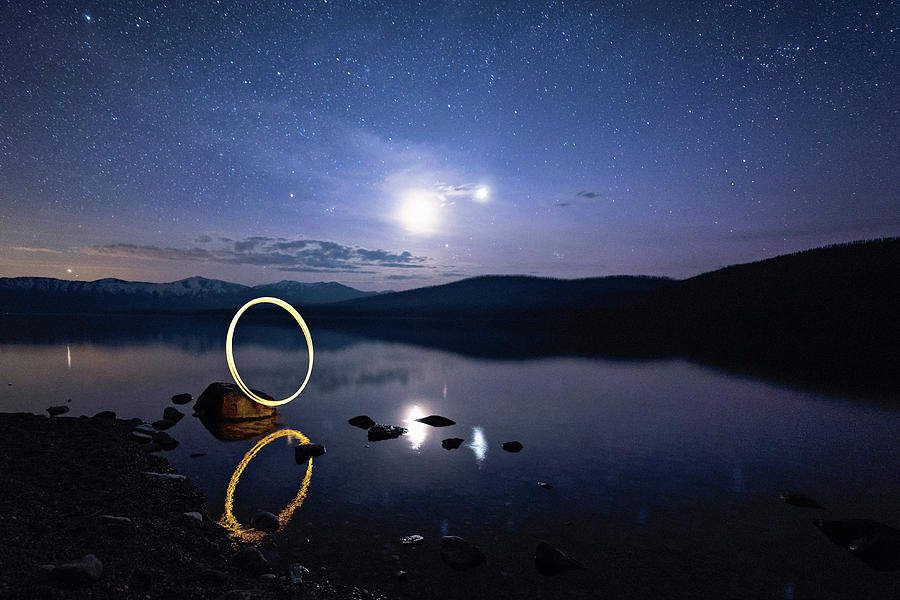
47	295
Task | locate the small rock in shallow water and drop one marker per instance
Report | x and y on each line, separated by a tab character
105	414
799	499
145	428
412	540
436	421
163	424
82	572
251	561
304	452
451	443
460	554
545	485
553	561
385	432
362	421
182	398
198	454
57	410
170	413
400	575
512	446
264	521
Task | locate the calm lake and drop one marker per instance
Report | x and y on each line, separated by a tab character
665	474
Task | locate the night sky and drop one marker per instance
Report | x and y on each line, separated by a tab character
390	145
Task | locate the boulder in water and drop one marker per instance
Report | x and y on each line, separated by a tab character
226	401
436	421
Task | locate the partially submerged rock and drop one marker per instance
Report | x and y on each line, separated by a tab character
545	485
799	499
226	401
164	440
874	543
512	446
362	421
182	399
304	452
57	410
436	421
549	560
79	573
170	413
385	432
451	443
459	553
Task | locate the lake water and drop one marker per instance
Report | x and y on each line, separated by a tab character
665	474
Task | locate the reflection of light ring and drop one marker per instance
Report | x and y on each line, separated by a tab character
229	522
230	355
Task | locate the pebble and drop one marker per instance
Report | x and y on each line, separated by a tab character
512	446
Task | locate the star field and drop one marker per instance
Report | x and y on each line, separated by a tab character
269	140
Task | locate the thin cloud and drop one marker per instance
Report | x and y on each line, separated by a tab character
282	254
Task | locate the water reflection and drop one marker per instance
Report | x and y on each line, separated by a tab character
479	445
230	431
415	432
228	520
68	356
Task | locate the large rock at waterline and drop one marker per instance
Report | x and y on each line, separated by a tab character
226	401
549	560
874	543
79	573
460	554
378	433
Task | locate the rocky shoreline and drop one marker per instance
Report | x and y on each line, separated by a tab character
88	512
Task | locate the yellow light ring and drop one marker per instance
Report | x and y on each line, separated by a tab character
228	520
230	355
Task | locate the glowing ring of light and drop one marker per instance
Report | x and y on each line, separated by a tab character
228	520
230	355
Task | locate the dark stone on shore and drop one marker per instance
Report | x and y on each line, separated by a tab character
874	543
460	554
170	413
80	573
436	421
182	399
165	441
549	560
799	499
362	421
452	443
163	424
226	401
57	410
251	561
545	485
265	521
304	452
378	433
512	446
105	414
